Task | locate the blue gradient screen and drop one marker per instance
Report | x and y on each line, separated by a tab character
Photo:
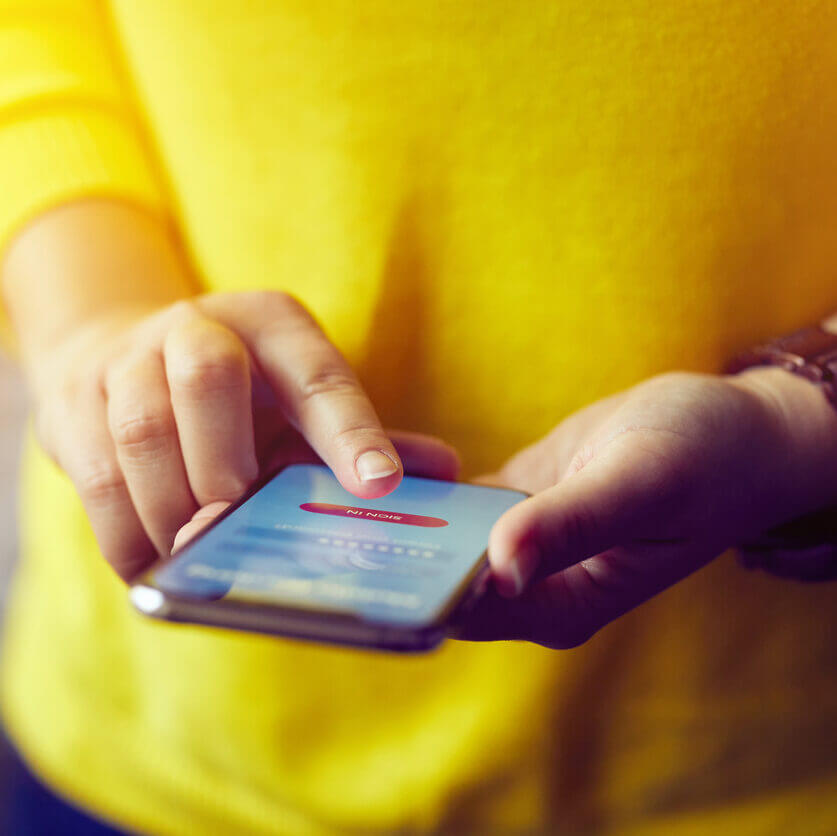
303	541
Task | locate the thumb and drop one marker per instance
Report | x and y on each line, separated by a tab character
623	493
569	607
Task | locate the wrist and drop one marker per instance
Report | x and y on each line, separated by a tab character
804	434
86	261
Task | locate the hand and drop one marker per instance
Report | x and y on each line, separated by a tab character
155	414
635	492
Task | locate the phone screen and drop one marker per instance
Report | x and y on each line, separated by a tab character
303	541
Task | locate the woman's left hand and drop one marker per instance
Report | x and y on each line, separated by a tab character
635	492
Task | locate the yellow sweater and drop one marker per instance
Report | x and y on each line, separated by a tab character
500	211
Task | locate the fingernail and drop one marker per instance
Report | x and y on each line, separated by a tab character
509	583
373	464
518	572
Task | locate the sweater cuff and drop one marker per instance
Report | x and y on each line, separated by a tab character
49	159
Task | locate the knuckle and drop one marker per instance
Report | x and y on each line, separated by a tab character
328	380
581	458
224	489
277	309
143	432
223	368
121	373
287	318
672	378
358	434
184	310
100	481
279	302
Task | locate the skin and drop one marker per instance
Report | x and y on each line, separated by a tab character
140	381
635	492
639	490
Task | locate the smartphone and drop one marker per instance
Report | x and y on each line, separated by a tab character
300	556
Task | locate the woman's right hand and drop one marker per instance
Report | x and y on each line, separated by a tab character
156	413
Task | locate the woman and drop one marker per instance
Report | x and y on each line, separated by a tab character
499	214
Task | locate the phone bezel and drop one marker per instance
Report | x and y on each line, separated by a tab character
311	624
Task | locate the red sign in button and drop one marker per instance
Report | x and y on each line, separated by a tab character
373	514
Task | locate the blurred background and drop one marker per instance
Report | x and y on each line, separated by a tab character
11	425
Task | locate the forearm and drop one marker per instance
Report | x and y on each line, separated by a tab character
86	260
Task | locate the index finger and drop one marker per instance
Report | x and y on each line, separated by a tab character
316	388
